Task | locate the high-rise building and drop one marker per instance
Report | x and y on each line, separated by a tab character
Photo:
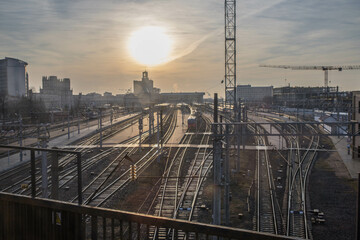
53	85
56	93
13	78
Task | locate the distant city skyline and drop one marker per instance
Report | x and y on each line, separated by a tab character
87	41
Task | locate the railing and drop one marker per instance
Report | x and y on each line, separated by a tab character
23	217
54	169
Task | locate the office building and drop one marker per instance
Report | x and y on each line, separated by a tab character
56	93
13	78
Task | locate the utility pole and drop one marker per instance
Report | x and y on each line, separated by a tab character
221	128
158	135
182	115
20	137
44	176
238	137
140	131
68	118
161	128
100	122
153	121
38	137
297	113
55	176
150	122
227	178
78	124
52	117
217	168
8	153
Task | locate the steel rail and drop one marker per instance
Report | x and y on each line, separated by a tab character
141	166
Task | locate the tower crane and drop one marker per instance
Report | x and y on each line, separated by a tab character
323	68
230	54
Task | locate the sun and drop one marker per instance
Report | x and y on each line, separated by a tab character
150	45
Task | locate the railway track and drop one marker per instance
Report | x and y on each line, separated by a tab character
65	163
300	166
178	195
29	131
105	186
268	214
295	219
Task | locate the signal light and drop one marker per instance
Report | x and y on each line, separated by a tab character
133	172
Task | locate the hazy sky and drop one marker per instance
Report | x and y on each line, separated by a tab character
86	40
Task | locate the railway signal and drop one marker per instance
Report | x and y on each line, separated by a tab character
133	172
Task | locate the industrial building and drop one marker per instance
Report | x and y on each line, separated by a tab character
250	94
56	93
325	98
14	80
291	95
356	117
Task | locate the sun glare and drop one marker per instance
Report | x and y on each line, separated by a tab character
150	46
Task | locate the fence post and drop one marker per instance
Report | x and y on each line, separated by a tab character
358	210
55	177
78	158
33	184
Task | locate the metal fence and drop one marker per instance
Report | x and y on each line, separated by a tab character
23	217
54	168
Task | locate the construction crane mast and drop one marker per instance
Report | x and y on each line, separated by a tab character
230	54
230	101
323	68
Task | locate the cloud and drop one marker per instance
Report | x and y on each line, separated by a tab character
192	47
86	39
